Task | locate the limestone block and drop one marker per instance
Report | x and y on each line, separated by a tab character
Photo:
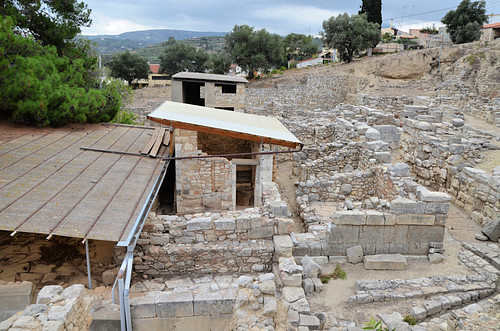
294	280
62	313
425	234
433	306
355	254
383	157
418	312
279	208
492	230
338	234
308	286
268	287
285	225
372	134
390	219
423	194
261	233
374	217
207	304
318	285
309	321
350	217
436	258
292	294
403	206
143	307
293	318
53	325
198	323
48	292
148	324
270	306
174	304
200	223
16	296
310	268
225	224
415	219
378	146
437	207
282	246
301	306
399	170
385	262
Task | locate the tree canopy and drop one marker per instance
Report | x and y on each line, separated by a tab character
350	34
299	47
254	50
128	66
51	22
464	23
39	87
181	57
373	11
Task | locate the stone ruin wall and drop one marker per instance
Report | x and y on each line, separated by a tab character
441	159
201	184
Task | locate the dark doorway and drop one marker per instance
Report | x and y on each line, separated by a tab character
166	196
191	93
245	179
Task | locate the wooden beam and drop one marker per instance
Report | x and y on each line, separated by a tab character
227	133
151	142
158	142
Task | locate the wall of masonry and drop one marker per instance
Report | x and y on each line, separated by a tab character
239	241
444	158
201	184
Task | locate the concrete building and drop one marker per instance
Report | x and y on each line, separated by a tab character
209	90
223	158
490	32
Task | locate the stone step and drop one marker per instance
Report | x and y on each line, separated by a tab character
385	262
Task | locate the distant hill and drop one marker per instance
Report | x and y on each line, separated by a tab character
109	44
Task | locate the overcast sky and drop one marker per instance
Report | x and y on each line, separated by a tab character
277	16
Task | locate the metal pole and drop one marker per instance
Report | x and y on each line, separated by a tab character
88	263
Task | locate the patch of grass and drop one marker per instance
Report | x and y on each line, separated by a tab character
325	279
338	272
474	58
410	320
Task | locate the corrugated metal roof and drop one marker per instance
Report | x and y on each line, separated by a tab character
253	127
208	77
49	185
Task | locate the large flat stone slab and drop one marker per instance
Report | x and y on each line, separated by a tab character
385	262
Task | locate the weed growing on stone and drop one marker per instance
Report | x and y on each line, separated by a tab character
375	325
338	272
410	320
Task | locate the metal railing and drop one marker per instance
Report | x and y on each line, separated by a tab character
125	273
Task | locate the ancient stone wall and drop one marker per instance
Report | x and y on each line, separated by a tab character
239	241
201	184
443	158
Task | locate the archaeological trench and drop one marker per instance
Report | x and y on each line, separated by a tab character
388	186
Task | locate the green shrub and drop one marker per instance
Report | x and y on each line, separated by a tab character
410	320
325	279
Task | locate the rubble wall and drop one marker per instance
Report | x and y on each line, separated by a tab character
445	161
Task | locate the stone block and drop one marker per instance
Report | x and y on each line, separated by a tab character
268	287
219	323
292	294
371	235
383	157
318	285
285	226
164	239
339	234
415	219
198	323
425	234
293	318
350	217
385	262
395	234
355	254
207	304
437	207
423	194
399	170
16	296
310	268
492	230
309	321
166	324
308	286
170	305
294	280
261	233
390	219
283	246
374	218
142	307
433	306
225	224
418	312
403	206
279	208
200	223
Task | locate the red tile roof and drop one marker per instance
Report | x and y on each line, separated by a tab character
154	68
492	25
